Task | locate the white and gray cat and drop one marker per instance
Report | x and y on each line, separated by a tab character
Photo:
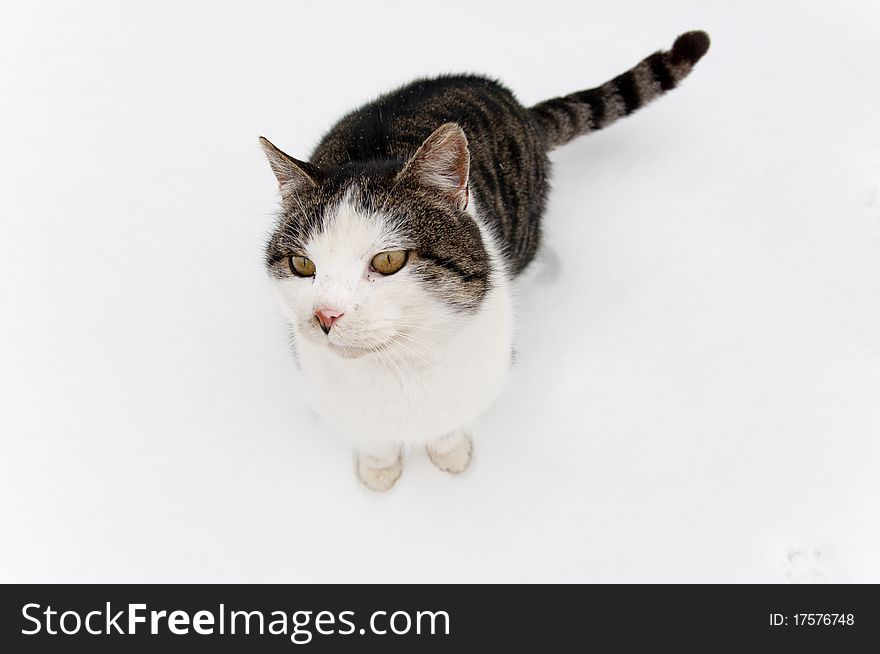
397	242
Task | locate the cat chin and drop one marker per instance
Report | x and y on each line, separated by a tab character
347	352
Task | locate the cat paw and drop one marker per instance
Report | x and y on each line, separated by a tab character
452	453
379	479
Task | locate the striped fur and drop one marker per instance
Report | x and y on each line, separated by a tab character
508	163
508	144
562	119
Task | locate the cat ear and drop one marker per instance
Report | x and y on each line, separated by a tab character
442	162
293	175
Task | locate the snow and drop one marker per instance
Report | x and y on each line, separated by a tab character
697	395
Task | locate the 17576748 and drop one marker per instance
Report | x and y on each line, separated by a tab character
812	620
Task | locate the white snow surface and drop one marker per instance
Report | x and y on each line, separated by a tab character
697	389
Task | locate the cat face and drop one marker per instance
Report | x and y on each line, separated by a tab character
378	259
342	301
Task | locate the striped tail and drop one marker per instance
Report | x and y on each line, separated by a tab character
562	119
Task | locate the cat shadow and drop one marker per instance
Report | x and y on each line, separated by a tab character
545	269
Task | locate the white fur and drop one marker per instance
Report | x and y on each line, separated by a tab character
452	453
398	369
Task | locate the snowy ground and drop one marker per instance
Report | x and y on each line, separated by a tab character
698	390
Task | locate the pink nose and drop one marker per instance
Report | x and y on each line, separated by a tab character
327	317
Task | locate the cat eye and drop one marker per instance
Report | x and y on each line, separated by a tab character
388	263
301	266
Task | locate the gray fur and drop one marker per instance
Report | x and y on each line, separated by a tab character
565	118
365	156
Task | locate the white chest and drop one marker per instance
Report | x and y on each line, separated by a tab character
416	398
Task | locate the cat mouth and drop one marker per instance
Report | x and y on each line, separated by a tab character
350	351
344	350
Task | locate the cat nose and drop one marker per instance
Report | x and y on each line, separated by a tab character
327	317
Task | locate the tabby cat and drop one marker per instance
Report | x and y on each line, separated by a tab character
397	242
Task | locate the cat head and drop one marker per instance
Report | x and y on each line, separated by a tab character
378	256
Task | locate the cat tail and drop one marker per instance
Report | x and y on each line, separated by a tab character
562	119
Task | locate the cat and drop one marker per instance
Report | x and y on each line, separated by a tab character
397	242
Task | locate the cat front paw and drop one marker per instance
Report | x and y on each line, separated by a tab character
452	453
379	478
